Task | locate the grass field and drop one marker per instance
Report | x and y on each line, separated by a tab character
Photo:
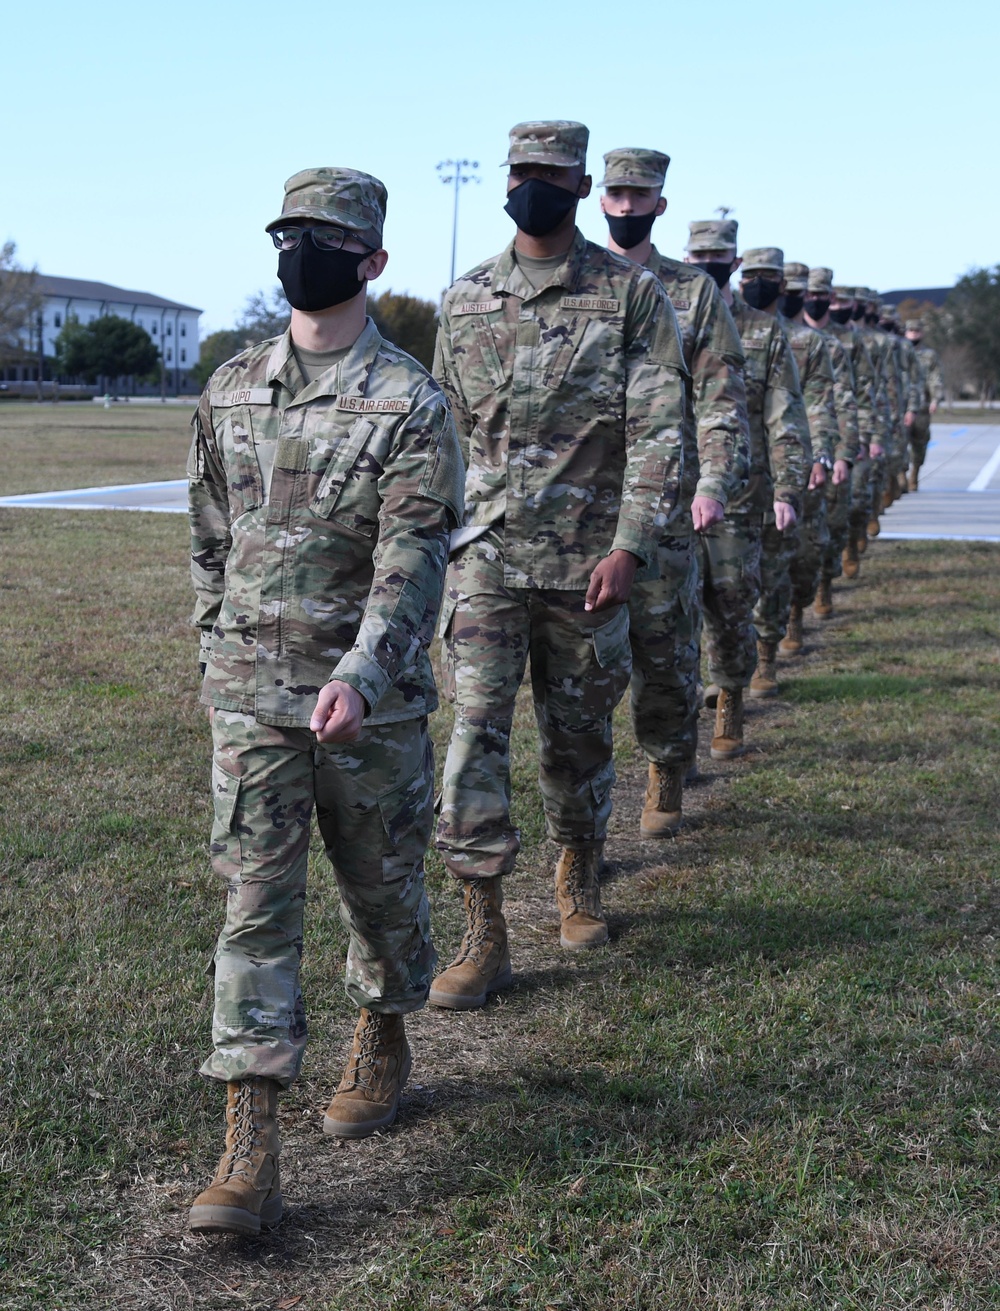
777	1088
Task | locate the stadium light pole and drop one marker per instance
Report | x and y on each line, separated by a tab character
454	177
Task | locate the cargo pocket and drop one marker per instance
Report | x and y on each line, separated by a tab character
407	815
611	644
227	854
329	492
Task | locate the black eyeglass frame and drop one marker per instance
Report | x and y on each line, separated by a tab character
345	235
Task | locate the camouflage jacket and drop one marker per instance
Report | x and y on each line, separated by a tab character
933	383
878	347
569	402
914	374
818	386
332	566
717	431
780	451
844	399
865	381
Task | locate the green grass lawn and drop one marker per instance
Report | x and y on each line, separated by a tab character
777	1088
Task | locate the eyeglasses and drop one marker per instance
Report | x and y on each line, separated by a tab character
324	238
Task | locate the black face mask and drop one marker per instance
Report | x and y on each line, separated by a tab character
791	303
871	320
719	270
816	307
629	229
858	313
841	316
315	279
539	207
760	292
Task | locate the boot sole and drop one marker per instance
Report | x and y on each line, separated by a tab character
236	1219
354	1129
726	755
452	1001
570	945
762	693
667	831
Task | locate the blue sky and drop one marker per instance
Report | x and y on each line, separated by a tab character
146	146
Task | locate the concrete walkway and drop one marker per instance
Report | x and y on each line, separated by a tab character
959	495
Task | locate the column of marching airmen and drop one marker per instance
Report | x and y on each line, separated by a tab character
615	453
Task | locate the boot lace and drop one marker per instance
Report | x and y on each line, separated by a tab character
245	1130
364	1069
474	941
664	782
575	882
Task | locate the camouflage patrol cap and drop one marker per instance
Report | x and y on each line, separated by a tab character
913	325
889	311
344	196
556	141
845	293
712	234
632	166
763	259
821	280
796	277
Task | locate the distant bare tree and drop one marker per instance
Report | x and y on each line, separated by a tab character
20	301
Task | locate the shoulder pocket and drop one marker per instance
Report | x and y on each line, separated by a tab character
243	480
347	462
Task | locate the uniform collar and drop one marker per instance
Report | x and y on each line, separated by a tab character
348	377
508	277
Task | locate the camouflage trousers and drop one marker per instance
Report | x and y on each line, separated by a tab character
665	635
920	436
580	668
777	550
729	576
814	540
838	513
862	484
374	808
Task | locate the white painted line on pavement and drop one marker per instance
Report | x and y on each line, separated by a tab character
934	537
984	477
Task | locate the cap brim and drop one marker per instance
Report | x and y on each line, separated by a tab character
346	222
630	182
557	161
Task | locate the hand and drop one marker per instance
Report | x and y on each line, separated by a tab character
611	581
863	452
339	713
841	472
908	419
818	476
784	516
933	407
211	714
705	511
876	449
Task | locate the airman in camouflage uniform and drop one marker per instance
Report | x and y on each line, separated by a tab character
564	368
664	615
730	552
816	314
819	390
930	393
896	387
325	478
869	397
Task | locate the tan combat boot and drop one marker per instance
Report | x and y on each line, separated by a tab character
823	605
849	560
246	1191
661	815
902	483
482	965
728	740
765	680
578	896
791	643
873	529
913	479
367	1097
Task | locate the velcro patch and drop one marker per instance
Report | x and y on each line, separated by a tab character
373	405
753	343
292	453
479	306
589	303
679	304
248	396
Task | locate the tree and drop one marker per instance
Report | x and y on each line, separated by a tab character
971	319
408	322
20	300
264	315
216	349
108	347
